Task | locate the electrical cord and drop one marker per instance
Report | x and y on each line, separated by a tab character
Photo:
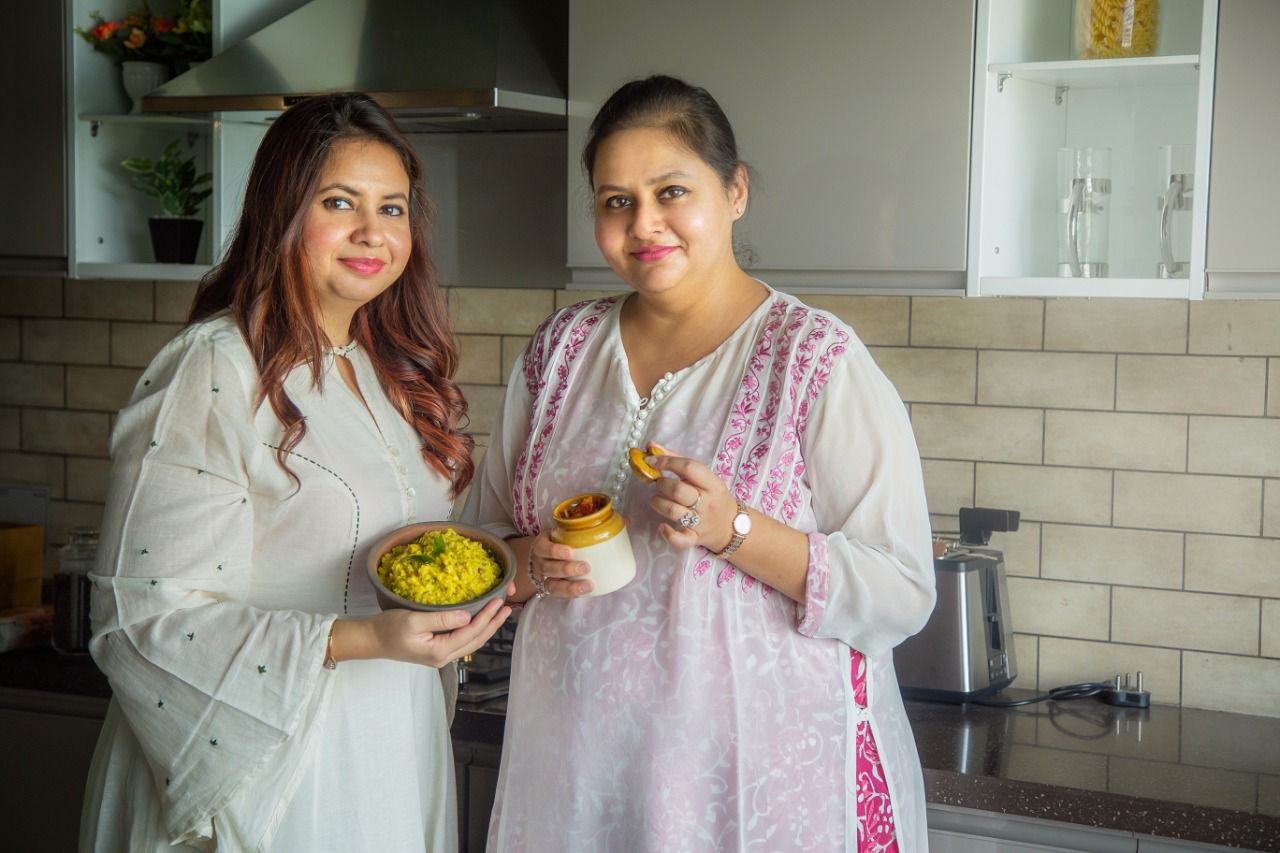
1059	694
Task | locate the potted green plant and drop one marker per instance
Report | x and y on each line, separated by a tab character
173	180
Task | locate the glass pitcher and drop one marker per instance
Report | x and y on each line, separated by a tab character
71	591
1177	181
1084	211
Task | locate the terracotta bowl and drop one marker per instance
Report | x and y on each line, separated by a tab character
497	548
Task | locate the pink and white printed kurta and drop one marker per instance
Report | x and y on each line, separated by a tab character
697	709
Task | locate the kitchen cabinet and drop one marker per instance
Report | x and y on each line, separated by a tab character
476	765
1244	216
107	219
854	118
957	830
47	758
1031	98
34	239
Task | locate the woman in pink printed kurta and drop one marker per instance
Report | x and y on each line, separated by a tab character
744	702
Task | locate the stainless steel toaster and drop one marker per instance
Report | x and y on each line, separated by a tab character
965	651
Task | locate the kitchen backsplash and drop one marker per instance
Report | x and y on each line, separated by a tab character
1139	438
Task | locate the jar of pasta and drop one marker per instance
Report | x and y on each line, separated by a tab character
588	525
1106	29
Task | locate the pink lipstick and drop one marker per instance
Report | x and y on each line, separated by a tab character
364	266
650	254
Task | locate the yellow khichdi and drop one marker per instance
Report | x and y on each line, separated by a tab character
439	567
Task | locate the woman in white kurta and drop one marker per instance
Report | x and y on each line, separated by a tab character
260	700
734	694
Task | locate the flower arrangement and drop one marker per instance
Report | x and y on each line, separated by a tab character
172	179
143	36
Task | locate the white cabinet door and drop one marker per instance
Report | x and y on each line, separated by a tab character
853	116
1244	210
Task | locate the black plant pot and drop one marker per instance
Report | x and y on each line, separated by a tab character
175	239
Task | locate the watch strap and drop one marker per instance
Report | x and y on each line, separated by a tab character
736	539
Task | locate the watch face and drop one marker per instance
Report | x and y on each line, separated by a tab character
742	524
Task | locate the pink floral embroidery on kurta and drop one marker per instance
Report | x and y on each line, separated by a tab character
876	833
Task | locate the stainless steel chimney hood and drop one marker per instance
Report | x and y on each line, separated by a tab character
438	65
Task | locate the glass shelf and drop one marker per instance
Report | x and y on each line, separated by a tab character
1045	286
140	271
1106	73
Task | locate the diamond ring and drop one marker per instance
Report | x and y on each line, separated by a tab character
690	519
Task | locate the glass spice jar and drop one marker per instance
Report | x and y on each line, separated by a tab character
598	537
71	587
1107	29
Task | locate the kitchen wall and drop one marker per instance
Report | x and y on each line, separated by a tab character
1140	439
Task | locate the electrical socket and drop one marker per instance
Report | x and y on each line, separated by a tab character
1125	695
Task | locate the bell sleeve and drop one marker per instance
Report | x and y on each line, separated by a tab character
870	581
216	691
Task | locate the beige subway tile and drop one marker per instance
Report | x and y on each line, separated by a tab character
878	320
65	515
483	404
173	300
512	348
1026	653
1233	564
498	311
87	479
1021	549
58	431
941	321
1269	795
1112	555
31	384
1235	327
1271	628
1271	508
30	296
1190	502
10	339
65	341
1246	446
947	485
565	297
930	375
978	433
1078	495
103	389
1067	768
1196	385
1116	440
1185	620
1177	783
1254	683
10	428
135	344
1073	661
34	469
1059	609
1273	387
1246	743
1056	379
479	359
109	300
1116	325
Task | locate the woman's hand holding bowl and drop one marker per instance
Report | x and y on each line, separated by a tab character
412	636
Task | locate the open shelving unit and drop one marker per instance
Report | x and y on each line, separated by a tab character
1031	98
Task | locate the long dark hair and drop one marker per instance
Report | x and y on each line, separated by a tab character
263	280
688	113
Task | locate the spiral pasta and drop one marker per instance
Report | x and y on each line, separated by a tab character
1105	29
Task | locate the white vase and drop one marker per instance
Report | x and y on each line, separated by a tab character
140	78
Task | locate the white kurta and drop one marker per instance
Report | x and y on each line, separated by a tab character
697	709
217	582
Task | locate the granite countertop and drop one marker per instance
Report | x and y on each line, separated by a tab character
1170	772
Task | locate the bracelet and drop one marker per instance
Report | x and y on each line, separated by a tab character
329	662
539	584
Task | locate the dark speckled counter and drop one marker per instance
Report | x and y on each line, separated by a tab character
1179	773
1168	772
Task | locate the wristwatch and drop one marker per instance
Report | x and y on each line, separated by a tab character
741	527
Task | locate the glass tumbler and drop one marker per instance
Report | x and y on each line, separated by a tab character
1084	211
